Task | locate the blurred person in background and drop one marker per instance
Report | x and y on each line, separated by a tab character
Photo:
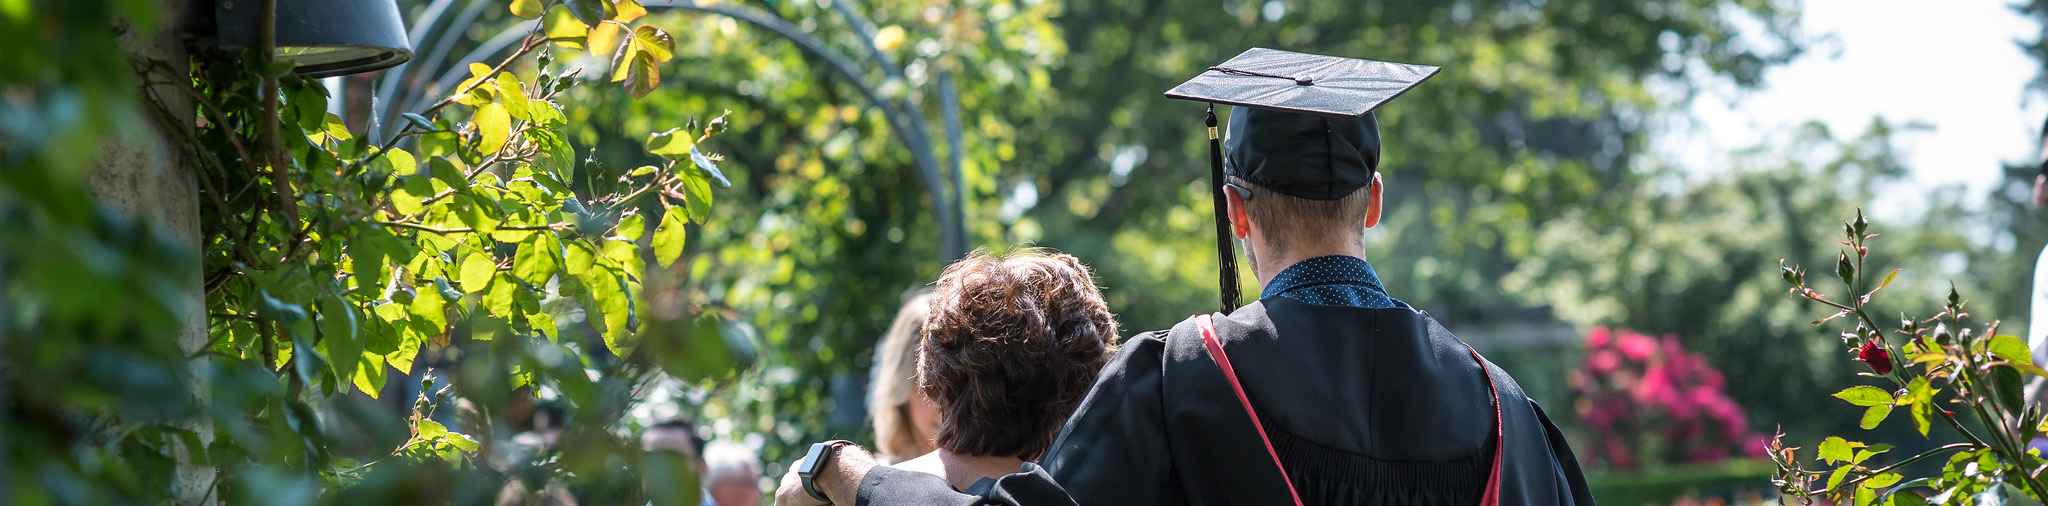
679	436
732	474
905	421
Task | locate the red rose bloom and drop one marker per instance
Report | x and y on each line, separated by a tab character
1873	355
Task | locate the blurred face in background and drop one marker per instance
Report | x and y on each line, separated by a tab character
736	492
924	420
2041	181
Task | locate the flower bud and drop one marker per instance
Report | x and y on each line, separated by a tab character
1845	269
1954	299
1874	355
1861	223
1791	275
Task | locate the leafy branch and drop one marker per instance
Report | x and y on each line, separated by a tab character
1940	356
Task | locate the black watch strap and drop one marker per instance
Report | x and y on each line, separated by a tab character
815	460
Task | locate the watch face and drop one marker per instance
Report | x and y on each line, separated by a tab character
809	466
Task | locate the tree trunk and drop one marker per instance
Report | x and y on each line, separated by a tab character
146	175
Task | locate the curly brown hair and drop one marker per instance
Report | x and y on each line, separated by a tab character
1011	346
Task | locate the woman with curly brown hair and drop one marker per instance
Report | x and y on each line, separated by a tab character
1011	345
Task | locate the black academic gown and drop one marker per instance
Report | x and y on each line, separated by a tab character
1364	406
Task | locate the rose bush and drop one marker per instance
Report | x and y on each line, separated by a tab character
1649	401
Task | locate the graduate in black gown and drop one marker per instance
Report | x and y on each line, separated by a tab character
1326	390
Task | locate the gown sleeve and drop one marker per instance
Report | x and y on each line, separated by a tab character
1114	449
1573	479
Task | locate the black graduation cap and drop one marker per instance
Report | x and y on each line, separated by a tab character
1300	124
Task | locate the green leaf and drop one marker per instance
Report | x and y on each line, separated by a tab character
419	122
407	198
622	60
430	430
2012	349
643	74
1922	399
1835	478
538	259
335	128
462	442
587	11
674	143
604	37
655	43
513	94
1875	415
631	227
580	259
402	162
527	9
546	114
1835	449
370	374
439	144
615	309
704	163
477	269
494	124
1882	480
309	101
1862	395
476	213
413	339
380	336
498	298
2007	383
563	28
670	236
628	10
429	312
697	196
446	172
366	260
561	156
545	324
625	255
338	337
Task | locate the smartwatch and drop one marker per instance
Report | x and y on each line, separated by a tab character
815	460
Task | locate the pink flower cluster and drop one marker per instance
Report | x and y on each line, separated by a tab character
1650	402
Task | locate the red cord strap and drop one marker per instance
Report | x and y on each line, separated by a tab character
1223	362
1208	327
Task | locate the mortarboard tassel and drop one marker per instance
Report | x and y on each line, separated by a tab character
1227	275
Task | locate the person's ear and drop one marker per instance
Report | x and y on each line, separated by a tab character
1240	221
1372	206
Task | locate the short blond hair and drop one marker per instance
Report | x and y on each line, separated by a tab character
1289	221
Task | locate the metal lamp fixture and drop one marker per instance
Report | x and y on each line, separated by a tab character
321	38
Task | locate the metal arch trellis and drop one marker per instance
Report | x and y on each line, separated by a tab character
904	117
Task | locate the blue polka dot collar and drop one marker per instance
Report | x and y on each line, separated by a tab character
1335	280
